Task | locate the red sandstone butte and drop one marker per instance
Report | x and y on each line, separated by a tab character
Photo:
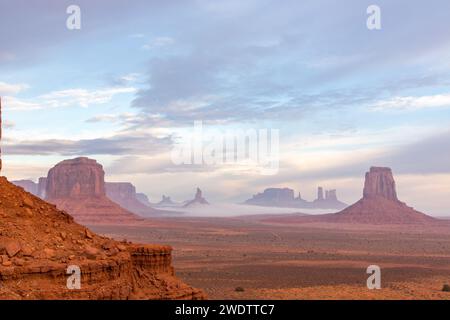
78	187
379	205
38	243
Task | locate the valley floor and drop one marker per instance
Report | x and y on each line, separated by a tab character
266	260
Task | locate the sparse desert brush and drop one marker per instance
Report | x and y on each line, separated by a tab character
446	288
239	289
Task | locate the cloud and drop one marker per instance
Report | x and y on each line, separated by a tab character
137	35
296	60
124	144
120	118
67	98
159	42
11	89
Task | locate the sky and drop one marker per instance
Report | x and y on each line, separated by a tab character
128	85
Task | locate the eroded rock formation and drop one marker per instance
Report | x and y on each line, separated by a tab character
380	182
37	189
42	186
379	204
284	197
78	187
28	185
142	198
198	200
124	194
38	243
166	201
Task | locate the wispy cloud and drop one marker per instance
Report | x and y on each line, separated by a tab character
123	144
158	42
11	89
66	98
413	103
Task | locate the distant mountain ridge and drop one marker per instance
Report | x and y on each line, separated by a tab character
284	197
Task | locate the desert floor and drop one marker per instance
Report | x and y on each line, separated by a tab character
299	261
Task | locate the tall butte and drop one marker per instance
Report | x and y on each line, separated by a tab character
78	187
379	204
38	244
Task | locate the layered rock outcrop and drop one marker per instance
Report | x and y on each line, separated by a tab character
39	244
78	187
198	200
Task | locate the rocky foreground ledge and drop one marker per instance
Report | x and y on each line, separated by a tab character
39	243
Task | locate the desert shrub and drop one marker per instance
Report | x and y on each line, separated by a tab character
446	288
239	289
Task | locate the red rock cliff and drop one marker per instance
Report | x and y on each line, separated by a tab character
38	243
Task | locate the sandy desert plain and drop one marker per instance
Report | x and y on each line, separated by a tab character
287	257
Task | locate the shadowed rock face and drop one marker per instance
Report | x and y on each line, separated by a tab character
78	186
380	183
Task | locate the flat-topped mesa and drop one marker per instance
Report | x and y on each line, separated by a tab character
380	183
76	178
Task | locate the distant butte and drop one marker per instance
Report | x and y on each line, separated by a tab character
284	198
124	194
379	205
198	200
